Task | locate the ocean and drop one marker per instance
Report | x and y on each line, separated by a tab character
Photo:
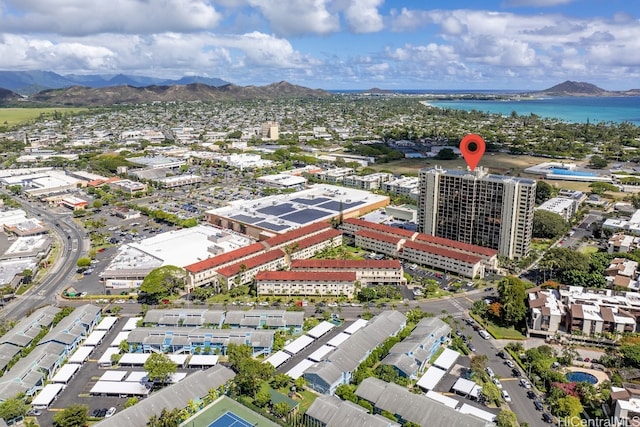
568	109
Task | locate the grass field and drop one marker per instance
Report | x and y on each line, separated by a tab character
15	116
501	163
221	406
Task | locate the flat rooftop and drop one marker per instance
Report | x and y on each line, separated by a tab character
10	267
177	247
285	212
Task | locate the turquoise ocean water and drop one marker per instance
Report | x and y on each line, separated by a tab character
568	109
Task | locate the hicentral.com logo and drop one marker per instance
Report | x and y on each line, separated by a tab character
599	422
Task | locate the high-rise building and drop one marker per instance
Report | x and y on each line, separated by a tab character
493	211
270	131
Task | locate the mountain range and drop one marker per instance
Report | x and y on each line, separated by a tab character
30	82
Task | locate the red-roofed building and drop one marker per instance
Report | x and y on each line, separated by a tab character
476	250
378	242
309	247
405	244
351	225
368	271
245	271
204	272
289	238
319	283
444	259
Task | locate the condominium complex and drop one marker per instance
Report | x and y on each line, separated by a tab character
493	211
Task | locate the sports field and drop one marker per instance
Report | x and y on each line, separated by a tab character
226	412
15	116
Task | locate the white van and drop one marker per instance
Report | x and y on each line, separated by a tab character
484	334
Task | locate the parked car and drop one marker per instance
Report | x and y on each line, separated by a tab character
509	363
515	372
110	412
505	396
524	383
497	383
502	355
531	394
538	405
471	347
547	417
490	371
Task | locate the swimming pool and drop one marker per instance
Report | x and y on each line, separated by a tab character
567	172
579	377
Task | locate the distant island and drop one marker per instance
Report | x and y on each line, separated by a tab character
571	88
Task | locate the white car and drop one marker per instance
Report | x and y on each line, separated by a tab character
110	412
490	372
524	383
505	396
497	383
509	363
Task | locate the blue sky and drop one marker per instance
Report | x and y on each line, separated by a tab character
332	44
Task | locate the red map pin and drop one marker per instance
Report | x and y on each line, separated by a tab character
472	148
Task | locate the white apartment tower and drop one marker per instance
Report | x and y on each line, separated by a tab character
494	211
270	131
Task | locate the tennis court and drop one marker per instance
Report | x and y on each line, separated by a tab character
226	412
229	419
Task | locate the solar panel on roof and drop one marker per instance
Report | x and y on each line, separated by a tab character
310	201
304	216
277	210
272	226
247	219
335	206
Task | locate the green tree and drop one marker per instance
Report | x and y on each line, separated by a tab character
159	367
347	392
479	363
513	294
163	281
507	419
97	204
131	401
263	398
251	375
12	408
567	407
544	192
548	225
75	415
490	391
167	418
83	262
631	354
280	409
237	353
446	154
597	162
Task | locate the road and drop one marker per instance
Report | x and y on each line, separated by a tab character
73	245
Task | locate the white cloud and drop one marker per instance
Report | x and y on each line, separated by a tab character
537	3
363	16
78	17
408	20
296	17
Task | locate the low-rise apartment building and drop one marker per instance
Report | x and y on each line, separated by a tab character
369	272
436	252
318	283
574	310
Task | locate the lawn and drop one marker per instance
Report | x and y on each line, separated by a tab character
588	250
498	332
497	162
14	116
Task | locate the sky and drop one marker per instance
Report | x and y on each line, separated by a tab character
332	44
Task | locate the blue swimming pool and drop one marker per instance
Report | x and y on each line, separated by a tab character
579	377
558	171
